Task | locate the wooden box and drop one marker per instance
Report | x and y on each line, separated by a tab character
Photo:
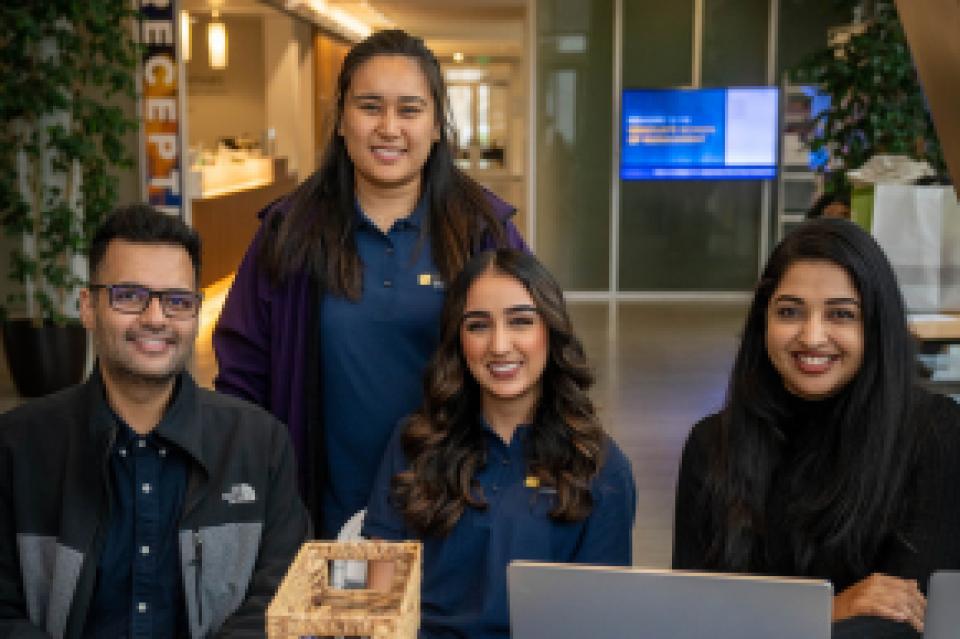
306	606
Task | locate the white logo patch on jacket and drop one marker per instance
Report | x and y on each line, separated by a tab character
240	494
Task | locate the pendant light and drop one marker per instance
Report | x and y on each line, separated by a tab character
217	42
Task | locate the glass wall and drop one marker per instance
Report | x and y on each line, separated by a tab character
574	88
696	235
685	236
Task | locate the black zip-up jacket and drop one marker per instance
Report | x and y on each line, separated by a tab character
241	525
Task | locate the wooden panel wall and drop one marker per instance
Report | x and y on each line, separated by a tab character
329	53
933	31
227	223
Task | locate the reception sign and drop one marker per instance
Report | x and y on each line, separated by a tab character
161	108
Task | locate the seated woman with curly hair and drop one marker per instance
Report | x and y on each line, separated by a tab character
506	458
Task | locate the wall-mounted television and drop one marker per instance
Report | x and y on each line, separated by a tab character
699	134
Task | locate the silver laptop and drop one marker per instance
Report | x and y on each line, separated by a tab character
564	601
943	606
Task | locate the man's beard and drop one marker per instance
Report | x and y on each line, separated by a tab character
141	378
122	370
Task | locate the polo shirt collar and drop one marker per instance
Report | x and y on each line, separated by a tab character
416	219
519	434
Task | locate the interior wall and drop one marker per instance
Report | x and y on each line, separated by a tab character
288	56
329	52
230	101
694	236
699	235
574	85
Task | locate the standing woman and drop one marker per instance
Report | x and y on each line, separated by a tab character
827	460
506	459
334	309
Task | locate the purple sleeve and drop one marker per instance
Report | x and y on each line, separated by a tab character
514	239
241	338
504	212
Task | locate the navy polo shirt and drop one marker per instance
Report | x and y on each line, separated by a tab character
373	354
464	589
139	591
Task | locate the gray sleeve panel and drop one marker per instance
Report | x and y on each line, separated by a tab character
229	553
50	572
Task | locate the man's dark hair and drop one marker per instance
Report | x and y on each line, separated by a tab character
143	224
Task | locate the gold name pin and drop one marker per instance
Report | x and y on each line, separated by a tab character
425	279
532	481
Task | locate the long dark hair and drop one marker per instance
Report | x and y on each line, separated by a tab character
849	487
444	441
317	234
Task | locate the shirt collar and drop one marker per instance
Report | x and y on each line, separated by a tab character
519	435
179	425
416	219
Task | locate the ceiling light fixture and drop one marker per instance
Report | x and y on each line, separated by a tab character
336	19
185	48
217	42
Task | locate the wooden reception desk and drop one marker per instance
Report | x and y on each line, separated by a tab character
228	221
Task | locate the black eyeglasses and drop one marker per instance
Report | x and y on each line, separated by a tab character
134	299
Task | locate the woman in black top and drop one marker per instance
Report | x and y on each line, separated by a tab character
826	459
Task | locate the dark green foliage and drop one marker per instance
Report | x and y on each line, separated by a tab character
877	104
75	57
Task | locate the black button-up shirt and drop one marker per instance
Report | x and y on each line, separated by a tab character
139	591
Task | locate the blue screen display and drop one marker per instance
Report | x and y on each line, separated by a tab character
699	134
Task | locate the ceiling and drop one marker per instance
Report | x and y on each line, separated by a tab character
494	28
488	28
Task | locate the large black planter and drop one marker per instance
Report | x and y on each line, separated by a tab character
46	358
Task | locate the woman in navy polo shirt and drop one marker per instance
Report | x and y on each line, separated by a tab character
335	308
506	458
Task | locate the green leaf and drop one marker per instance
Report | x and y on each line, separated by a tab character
93	57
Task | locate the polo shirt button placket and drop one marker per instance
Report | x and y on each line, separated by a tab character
389	264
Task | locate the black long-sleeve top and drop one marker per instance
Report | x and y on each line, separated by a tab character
928	538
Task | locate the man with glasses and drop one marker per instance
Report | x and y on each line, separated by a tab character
137	504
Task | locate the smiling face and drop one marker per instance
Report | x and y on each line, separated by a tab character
147	346
815	329
505	341
389	122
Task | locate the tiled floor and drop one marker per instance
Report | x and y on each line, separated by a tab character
660	367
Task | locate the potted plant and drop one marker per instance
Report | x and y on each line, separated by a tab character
66	66
876	102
